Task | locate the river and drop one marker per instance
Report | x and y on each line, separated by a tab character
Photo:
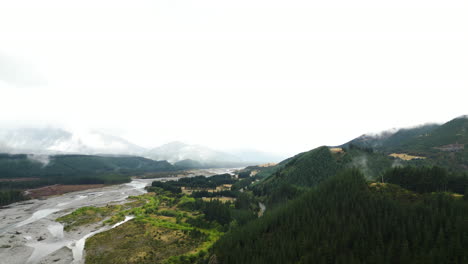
30	234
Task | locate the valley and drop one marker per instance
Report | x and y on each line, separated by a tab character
29	232
371	200
233	132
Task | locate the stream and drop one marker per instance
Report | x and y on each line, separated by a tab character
30	234
262	209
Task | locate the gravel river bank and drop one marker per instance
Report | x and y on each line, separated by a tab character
30	234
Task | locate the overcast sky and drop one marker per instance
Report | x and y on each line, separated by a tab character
276	75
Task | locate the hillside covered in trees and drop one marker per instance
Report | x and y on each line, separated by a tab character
351	204
307	169
26	166
347	220
19	172
358	204
443	145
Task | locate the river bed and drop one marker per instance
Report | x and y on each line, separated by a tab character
30	234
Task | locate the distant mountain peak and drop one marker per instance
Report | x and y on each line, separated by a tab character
179	151
50	140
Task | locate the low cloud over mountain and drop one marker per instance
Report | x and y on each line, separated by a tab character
50	140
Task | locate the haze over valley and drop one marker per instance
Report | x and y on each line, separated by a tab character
86	201
50	141
233	132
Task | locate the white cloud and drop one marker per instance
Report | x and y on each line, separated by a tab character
280	76
18	72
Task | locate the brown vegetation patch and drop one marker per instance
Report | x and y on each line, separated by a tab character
405	156
137	242
267	165
221	199
336	150
19	179
58	189
165	174
377	184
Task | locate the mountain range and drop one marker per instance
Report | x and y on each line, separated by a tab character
396	197
419	139
444	145
357	203
51	141
422	146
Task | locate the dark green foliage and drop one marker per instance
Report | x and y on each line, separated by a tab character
244	174
200	194
199	222
10	196
310	168
217	211
457	183
237	186
261	171
242	216
344	220
426	141
19	166
196	234
22	185
280	194
223	213
387	140
244	201
306	169
423	180
166	186
454	131
197	182
73	169
205	182
213	211
367	149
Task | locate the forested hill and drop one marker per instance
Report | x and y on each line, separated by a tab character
347	220
390	140
425	138
425	146
20	172
444	145
310	168
329	205
72	166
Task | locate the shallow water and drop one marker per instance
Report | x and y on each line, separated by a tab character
78	247
56	230
38	215
32	233
32	225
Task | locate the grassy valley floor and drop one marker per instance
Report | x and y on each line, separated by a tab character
139	242
166	229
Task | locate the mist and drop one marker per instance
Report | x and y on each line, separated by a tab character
286	78
43	159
